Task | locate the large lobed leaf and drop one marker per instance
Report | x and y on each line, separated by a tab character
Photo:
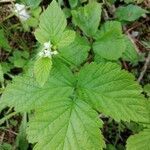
112	91
66	124
25	94
66	106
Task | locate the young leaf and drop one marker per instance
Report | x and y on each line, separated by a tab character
65	123
130	12
42	68
112	91
130	53
77	52
88	18
52	24
109	43
71	113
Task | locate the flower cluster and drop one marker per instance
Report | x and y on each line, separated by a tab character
47	50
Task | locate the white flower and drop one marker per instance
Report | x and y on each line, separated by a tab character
21	12
47	51
47	45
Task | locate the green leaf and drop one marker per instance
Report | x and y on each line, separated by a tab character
6	146
67	38
67	12
88	18
32	3
20	63
25	94
32	22
142	140
109	42
66	109
36	12
1	74
42	68
130	12
21	140
77	52
63	114
66	124
130	53
6	67
52	24
139	141
112	91
4	42
147	89
19	58
73	3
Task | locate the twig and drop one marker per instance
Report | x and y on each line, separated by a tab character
10	131
106	16
137	25
7	117
147	62
133	41
125	65
2	137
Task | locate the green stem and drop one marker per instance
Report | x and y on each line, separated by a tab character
7	117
